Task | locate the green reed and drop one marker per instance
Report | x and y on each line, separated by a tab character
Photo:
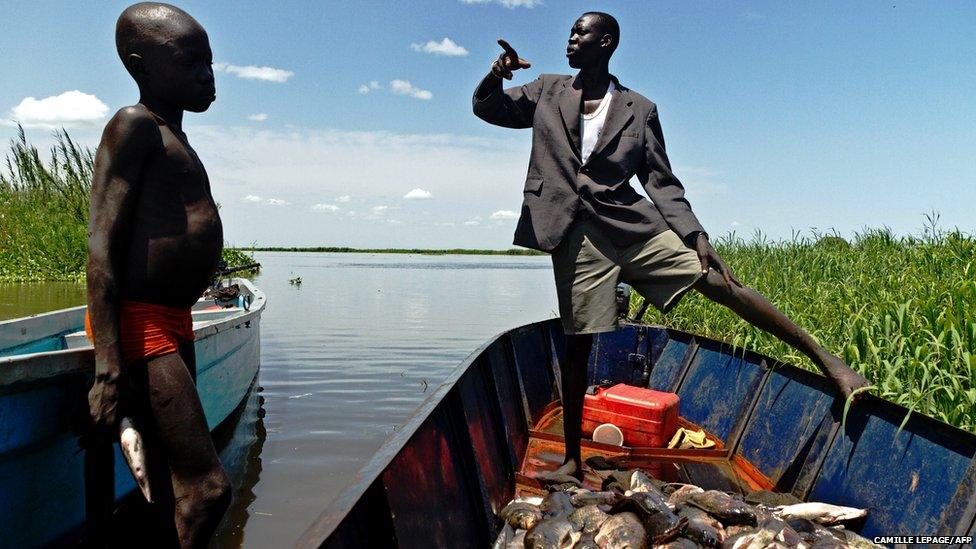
44	212
900	310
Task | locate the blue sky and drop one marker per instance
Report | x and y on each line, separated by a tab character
778	116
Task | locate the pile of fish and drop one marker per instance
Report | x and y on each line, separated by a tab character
634	511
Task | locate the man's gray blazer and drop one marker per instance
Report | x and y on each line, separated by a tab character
559	186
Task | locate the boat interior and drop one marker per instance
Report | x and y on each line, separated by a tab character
484	435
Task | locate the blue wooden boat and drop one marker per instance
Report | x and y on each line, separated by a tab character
46	369
484	432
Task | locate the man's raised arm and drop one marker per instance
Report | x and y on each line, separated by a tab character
511	108
662	186
118	163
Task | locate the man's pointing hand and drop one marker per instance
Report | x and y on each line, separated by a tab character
508	61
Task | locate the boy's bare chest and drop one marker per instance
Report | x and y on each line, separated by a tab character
176	172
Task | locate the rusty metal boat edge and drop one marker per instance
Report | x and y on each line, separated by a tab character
440	478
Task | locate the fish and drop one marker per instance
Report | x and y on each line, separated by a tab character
518	542
701	527
520	514
618	481
640	482
771	533
585	497
680	543
660	523
504	537
721	506
681	494
622	531
824	513
588	519
552	533
587	541
557	504
734	530
135	455
812	532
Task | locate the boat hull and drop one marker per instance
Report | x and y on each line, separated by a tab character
444	475
44	411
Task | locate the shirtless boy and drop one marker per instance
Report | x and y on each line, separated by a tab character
154	241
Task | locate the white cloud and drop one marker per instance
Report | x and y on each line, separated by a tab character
504	214
259	117
404	87
734	224
253	72
298	163
510	4
344	198
444	47
417	194
476	220
69	110
394	222
372	86
255	199
378	210
325	208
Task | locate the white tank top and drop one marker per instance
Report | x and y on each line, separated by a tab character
591	125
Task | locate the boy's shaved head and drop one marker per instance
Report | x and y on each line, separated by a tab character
167	52
149	24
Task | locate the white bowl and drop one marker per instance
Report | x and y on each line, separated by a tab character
608	433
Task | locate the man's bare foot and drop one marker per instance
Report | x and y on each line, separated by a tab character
569	472
845	379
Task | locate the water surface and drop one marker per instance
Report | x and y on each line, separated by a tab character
346	356
350	353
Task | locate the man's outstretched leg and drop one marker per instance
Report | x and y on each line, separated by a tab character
755	309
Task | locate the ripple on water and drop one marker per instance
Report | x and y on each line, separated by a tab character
345	357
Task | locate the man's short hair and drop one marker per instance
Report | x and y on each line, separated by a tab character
608	25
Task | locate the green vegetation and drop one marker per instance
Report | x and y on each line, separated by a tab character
902	311
419	251
44	212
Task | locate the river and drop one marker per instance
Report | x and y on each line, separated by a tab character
346	356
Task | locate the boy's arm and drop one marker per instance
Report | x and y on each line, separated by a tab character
121	155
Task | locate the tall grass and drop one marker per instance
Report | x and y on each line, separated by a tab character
44	212
900	310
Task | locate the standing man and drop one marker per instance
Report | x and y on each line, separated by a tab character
590	135
154	239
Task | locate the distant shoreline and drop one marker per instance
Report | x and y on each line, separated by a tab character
416	251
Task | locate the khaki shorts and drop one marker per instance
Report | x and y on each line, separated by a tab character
588	267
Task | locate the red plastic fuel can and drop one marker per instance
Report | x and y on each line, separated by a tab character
646	417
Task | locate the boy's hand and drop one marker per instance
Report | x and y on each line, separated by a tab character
103	403
508	61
